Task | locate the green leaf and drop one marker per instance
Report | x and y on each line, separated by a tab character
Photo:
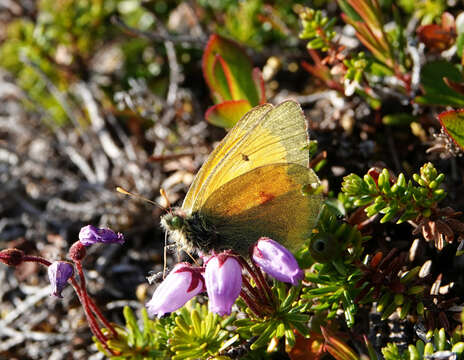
400	119
348	10
436	90
227	113
135	335
229	72
453	123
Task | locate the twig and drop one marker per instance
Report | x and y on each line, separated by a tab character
100	162
416	66
158	37
18	337
122	303
175	75
31	209
22	307
128	147
304	99
97	122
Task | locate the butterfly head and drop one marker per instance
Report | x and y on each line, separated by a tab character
191	232
172	221
175	223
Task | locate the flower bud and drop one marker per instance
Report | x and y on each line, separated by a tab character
90	235
277	261
59	272
77	251
182	284
11	257
223	276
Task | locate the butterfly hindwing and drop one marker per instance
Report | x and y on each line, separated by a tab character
267	201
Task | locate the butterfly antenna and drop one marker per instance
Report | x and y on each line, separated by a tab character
166	199
125	192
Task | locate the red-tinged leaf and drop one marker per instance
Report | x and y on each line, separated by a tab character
227	113
456	86
453	124
435	37
236	70
370	349
307	349
376	43
222	80
321	71
376	260
337	348
369	11
259	83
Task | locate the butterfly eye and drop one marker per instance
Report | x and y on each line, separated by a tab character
177	222
323	247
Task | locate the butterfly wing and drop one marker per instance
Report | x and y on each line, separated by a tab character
233	137
271	200
265	135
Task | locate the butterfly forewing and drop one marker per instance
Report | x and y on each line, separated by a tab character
221	152
264	136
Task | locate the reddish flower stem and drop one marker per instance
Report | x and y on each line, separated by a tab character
263	282
90	319
101	317
90	308
250	303
253	291
258	277
85	301
38	259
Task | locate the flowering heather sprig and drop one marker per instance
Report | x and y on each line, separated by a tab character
90	235
60	272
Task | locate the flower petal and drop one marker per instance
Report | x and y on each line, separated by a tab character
277	261
90	235
223	276
58	273
182	284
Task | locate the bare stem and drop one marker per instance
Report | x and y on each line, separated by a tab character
250	303
258	277
253	291
101	317
90	318
84	297
38	259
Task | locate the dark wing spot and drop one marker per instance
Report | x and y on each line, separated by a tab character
245	157
265	197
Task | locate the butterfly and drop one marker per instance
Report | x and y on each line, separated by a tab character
255	183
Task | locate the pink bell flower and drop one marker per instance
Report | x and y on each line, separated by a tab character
223	276
277	261
183	283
